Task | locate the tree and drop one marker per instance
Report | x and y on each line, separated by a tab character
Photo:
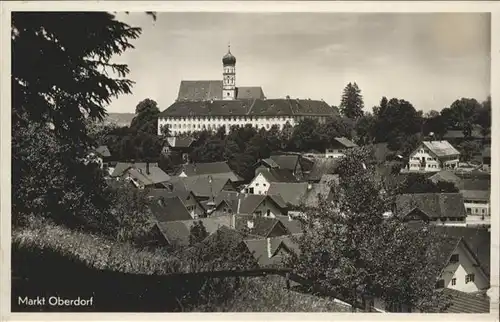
435	125
68	81
365	129
344	245
305	136
146	117
197	233
468	149
55	97
129	218
461	111
211	151
483	117
351	104
48	182
165	131
396	122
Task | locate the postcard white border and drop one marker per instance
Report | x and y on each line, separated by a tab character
238	6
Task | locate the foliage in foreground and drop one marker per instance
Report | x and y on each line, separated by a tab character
348	247
269	294
93	250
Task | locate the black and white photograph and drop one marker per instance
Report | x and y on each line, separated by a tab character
225	161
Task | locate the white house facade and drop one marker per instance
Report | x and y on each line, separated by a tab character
433	156
259	185
461	273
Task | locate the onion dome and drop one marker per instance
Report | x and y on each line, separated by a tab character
228	58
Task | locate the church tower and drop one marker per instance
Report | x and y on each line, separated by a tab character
229	76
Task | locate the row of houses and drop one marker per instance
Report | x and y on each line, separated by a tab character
260	214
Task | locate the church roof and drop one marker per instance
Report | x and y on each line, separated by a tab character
200	90
241	107
206	90
249	92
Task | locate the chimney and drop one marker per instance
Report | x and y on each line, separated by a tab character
239	204
147	168
233	221
269	248
250	224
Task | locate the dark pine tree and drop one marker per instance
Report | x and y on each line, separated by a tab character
351	105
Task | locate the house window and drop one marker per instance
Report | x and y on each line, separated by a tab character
440	284
268	213
257	184
468	210
482	211
469	278
453	281
265	185
454	258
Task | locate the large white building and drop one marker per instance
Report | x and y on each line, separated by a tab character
211	104
433	156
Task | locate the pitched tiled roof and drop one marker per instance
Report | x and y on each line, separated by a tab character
193	169
476	194
434	205
154	176
293	226
317	191
445	175
179	231
346	142
204	90
278	175
293	193
311	107
202	186
270	163
121	167
441	148
200	90
245	203
251	107
246	92
286	161
262	226
103	151
478	240
262	247
475	184
169	209
462	302
321	167
300	193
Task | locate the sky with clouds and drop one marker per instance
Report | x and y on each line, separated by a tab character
429	59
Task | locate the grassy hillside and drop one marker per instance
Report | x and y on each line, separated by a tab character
50	260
